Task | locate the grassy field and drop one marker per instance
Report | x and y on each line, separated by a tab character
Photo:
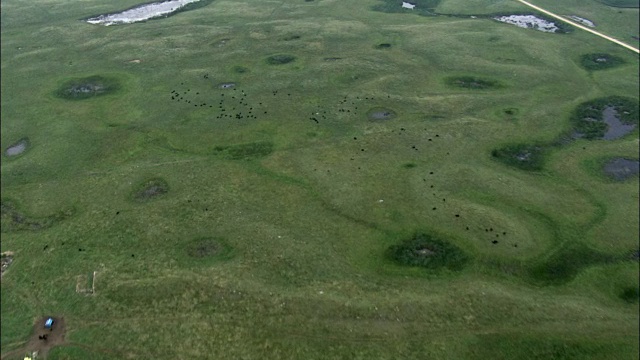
257	220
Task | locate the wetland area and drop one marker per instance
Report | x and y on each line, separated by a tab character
319	179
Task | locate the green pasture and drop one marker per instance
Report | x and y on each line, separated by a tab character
278	228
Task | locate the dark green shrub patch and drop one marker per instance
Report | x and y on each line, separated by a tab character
249	151
594	119
208	247
280	59
240	69
84	88
600	61
427	251
471	82
564	265
151	189
523	156
630	294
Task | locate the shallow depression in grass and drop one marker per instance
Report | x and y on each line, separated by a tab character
208	247
380	113
151	189
621	169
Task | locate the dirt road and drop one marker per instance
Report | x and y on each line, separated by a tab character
580	26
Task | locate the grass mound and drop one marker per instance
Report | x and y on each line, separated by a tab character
85	88
588	117
529	157
151	189
427	251
18	148
280	59
471	82
600	61
12	219
249	151
564	265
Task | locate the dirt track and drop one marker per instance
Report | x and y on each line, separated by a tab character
580	26
39	342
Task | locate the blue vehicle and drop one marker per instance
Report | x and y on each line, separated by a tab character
48	324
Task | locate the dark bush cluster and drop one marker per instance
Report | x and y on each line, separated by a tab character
427	251
471	82
588	119
280	59
84	88
600	61
523	156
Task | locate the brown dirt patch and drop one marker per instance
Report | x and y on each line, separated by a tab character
42	340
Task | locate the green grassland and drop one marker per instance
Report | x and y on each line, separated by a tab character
269	236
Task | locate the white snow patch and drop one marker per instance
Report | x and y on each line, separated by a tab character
582	21
407	5
529	22
141	13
